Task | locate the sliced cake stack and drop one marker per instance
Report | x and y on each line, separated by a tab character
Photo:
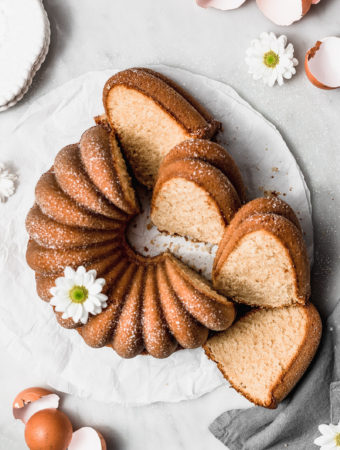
262	262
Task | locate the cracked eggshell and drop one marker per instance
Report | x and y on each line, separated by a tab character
322	63
220	4
32	400
285	12
87	438
48	429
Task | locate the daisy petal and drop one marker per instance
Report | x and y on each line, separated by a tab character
324	440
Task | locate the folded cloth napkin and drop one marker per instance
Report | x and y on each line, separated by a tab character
294	424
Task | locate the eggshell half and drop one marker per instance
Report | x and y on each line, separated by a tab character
87	438
32	400
285	12
220	4
322	63
48	429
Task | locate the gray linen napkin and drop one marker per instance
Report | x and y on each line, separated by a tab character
294	424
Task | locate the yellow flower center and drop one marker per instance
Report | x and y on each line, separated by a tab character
271	59
78	294
337	439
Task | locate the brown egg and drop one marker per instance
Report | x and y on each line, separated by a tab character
48	429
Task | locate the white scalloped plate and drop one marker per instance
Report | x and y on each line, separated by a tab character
24	43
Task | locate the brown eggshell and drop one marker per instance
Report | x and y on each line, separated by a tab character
32	400
87	438
48	429
322	64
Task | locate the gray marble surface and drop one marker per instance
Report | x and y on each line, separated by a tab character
90	35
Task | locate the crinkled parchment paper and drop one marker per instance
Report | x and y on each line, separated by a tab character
28	329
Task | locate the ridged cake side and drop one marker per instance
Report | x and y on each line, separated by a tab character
83	206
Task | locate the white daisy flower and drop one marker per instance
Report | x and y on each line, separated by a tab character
7	185
78	293
330	437
271	59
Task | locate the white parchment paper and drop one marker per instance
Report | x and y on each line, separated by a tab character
28	329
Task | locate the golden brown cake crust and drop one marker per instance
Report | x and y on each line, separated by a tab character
303	356
83	206
63	209
285	232
212	153
74	181
159	341
298	364
217	314
99	154
44	282
47	260
217	186
51	234
169	96
188	332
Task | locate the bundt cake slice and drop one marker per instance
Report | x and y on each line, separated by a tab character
193	195
77	232
265	353
151	114
263	258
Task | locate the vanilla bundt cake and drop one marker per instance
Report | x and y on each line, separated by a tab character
262	258
151	114
201	180
83	205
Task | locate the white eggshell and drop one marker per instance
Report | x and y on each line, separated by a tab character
284	12
220	4
25	412
87	438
